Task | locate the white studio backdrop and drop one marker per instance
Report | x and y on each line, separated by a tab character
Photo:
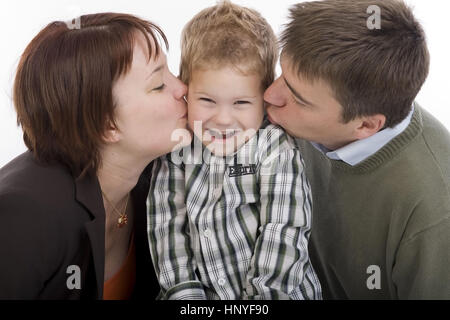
21	20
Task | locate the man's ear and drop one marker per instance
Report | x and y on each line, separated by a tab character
369	125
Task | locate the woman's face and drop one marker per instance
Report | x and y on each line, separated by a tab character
150	107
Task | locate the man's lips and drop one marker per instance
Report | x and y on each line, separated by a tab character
270	119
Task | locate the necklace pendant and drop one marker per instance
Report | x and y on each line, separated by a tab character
122	220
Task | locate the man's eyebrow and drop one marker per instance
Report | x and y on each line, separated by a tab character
296	94
159	68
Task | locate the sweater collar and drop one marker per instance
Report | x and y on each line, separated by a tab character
391	149
358	151
388	151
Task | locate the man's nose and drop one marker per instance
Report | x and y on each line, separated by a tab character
274	95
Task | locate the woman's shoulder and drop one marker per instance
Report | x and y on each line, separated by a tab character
43	190
38	209
25	171
41	229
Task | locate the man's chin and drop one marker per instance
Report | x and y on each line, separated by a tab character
291	133
271	119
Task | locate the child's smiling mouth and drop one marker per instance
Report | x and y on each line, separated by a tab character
220	135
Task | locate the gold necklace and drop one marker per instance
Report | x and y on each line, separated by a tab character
123	217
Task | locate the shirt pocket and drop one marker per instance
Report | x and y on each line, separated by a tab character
245	188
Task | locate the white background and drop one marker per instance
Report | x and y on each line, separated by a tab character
21	20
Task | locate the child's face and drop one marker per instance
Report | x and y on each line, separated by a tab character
228	104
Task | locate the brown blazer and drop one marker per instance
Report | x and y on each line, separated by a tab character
50	221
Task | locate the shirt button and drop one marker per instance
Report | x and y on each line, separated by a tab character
221	281
207	233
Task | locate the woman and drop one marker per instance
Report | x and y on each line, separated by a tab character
97	104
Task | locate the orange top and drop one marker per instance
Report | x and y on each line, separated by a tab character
121	285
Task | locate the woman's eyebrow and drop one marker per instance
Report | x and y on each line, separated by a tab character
158	68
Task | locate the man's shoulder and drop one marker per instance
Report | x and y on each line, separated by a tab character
427	156
426	167
436	140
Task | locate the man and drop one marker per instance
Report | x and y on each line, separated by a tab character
378	163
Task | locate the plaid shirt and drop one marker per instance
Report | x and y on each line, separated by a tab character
234	227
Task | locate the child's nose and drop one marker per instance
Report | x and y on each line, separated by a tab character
224	117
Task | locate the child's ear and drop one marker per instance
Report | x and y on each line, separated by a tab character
370	125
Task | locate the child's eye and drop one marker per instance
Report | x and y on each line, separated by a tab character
159	88
241	102
207	100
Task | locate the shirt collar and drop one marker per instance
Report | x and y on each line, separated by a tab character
359	150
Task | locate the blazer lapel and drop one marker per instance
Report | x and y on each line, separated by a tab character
87	192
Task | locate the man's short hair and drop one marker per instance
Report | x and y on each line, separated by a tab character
229	35
371	71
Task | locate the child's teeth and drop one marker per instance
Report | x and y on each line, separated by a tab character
219	134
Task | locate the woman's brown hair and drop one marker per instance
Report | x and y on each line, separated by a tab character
63	87
371	71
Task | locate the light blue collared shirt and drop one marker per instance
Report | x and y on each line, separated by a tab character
359	150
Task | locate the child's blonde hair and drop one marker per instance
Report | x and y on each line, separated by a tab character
229	35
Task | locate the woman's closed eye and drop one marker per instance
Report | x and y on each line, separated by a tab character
159	88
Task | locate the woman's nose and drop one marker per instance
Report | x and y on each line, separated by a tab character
274	95
179	88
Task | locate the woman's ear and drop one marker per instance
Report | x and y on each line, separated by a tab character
370	125
111	134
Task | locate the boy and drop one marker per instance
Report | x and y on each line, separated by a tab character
233	221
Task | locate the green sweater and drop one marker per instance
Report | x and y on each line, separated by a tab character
381	229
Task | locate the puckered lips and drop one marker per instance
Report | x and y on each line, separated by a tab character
270	119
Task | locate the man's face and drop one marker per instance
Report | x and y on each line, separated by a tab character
307	109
